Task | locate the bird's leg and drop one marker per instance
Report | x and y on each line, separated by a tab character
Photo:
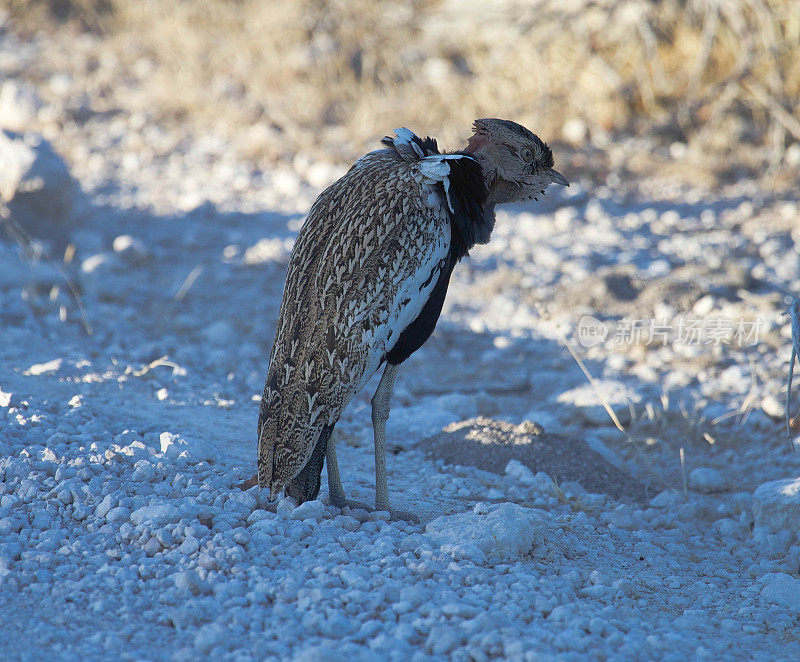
335	489
380	414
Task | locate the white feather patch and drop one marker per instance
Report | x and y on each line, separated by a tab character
406	136
437	169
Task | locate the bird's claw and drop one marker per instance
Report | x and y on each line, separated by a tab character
341	502
403	515
395	515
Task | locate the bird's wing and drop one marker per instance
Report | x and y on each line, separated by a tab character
362	268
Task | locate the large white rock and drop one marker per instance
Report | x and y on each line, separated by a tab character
36	185
783	590
776	506
506	532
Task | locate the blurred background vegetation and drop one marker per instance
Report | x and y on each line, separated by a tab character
697	89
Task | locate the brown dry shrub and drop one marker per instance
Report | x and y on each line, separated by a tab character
282	77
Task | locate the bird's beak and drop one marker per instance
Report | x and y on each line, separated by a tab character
557	177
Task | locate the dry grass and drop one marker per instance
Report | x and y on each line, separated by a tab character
282	77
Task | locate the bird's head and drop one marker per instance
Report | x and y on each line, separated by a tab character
517	165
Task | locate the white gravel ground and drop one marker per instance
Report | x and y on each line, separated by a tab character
123	534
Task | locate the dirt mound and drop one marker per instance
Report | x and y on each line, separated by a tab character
489	444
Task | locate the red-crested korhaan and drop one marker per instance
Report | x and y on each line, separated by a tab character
365	286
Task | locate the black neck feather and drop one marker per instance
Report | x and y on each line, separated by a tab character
472	218
471	214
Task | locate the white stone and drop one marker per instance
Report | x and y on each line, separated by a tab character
519	472
286	507
598	578
466	551
708	480
309	510
285	182
730	528
783	590
412	542
589	398
666	499
189	545
247	500
480	508
704	305
44	368
772	544
776	506
168	440
460	609
144	472
573	489
104	506
189	582
508	531
118	514
130	249
94	263
158	514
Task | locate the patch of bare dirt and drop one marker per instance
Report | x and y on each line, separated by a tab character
490	444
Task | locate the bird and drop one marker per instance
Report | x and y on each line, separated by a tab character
365	286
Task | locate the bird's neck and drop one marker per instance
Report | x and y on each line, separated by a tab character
496	189
502	192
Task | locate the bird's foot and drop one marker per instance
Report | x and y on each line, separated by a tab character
341	502
397	514
403	515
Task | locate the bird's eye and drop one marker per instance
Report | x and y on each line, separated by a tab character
527	154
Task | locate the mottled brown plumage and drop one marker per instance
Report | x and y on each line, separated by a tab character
371	261
349	262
